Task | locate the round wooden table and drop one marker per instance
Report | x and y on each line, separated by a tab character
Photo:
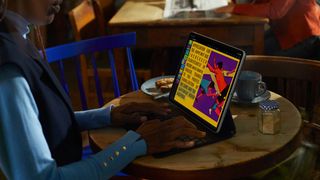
246	153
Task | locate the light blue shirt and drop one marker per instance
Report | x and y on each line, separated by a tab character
24	152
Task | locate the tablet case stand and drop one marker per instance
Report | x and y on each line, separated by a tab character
228	129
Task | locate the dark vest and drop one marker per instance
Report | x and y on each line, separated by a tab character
55	112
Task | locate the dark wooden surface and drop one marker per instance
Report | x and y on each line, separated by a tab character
153	31
247	152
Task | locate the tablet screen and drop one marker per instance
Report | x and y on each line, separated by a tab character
205	79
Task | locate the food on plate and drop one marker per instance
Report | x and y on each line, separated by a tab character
164	84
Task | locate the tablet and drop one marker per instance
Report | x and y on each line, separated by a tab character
205	80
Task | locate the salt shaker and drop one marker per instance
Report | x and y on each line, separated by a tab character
269	117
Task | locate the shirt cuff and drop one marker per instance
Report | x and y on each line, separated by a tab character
119	154
130	139
108	114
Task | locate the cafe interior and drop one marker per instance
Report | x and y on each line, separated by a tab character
161	89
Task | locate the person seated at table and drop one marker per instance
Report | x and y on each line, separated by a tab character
39	132
295	27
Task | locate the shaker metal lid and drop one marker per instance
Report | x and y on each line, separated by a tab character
269	105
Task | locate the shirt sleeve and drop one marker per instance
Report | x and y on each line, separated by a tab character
273	9
24	152
94	118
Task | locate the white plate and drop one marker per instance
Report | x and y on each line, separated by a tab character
149	87
256	100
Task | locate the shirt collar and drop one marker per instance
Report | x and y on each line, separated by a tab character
20	23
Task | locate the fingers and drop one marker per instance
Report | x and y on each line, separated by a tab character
176	144
153	122
191	132
149	127
181	144
136	118
148	108
179	121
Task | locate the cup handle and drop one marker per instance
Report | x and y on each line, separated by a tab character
261	88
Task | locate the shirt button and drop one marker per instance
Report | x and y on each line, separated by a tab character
124	148
105	164
117	153
111	158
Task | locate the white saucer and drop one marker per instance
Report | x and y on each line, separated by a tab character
149	86
263	97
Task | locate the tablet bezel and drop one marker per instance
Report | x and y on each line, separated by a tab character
222	47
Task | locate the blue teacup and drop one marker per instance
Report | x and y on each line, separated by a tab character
250	86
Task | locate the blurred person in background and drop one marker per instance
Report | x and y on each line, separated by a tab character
294	25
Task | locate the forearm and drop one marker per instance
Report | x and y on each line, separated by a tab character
38	164
274	9
106	163
210	68
94	118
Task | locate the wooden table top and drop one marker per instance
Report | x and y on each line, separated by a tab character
247	152
151	14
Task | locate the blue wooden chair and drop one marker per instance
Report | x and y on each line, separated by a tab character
88	48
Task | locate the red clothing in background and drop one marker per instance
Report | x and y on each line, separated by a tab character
292	21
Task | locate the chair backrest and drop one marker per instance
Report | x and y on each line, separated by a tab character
81	16
294	78
107	8
89	48
87	22
101	9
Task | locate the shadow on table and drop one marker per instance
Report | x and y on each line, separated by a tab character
302	164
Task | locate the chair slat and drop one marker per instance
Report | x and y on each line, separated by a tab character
114	74
90	46
62	77
133	76
83	97
97	80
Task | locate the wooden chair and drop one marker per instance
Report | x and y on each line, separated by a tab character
89	48
104	11
90	15
296	79
299	81
84	21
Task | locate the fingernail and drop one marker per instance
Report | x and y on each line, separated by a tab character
190	143
203	133
143	118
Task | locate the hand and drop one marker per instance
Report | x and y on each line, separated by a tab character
137	113
162	136
225	9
